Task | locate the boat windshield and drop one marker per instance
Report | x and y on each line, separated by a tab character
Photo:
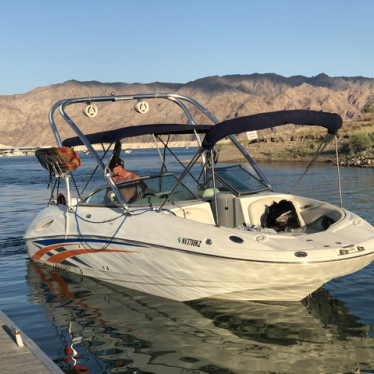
235	179
142	191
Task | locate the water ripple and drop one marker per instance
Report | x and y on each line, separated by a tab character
12	246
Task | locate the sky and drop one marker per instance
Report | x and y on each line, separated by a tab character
44	42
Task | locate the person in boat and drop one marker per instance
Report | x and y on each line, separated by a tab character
120	174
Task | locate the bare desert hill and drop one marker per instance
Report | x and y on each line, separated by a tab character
24	117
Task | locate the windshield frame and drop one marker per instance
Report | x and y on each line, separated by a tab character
237	193
139	205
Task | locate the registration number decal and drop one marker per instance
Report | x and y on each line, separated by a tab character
192	242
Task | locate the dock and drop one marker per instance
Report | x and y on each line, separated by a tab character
19	354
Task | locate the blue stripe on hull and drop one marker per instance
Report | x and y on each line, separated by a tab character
48	242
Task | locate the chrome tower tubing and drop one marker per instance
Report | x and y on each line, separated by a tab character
232	138
188	115
93	152
52	122
185	110
59	144
198	138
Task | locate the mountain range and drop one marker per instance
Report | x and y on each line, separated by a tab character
24	117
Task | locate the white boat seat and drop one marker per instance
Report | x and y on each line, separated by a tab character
229	209
313	216
257	211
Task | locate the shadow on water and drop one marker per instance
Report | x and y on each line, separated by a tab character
106	328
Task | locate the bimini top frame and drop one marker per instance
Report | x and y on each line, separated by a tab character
63	104
331	121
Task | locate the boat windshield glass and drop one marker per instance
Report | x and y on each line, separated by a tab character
143	191
235	179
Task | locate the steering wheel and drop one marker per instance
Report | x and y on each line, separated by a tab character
149	194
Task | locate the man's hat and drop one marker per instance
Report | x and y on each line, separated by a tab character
115	159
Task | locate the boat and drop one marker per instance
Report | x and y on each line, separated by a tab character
128	151
228	237
17	152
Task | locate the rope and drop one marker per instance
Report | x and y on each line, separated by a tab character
107	243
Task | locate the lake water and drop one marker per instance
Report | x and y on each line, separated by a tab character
87	326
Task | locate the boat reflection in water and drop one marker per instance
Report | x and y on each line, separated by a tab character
106	328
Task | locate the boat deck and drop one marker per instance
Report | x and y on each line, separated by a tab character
29	359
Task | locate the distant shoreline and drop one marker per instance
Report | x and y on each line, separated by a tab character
132	146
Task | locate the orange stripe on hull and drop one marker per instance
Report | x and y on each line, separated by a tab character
57	258
38	255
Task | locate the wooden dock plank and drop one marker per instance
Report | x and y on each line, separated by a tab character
26	368
21	360
6	350
22	352
31	371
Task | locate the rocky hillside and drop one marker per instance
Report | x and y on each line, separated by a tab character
24	118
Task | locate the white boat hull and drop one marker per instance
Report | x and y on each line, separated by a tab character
163	266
